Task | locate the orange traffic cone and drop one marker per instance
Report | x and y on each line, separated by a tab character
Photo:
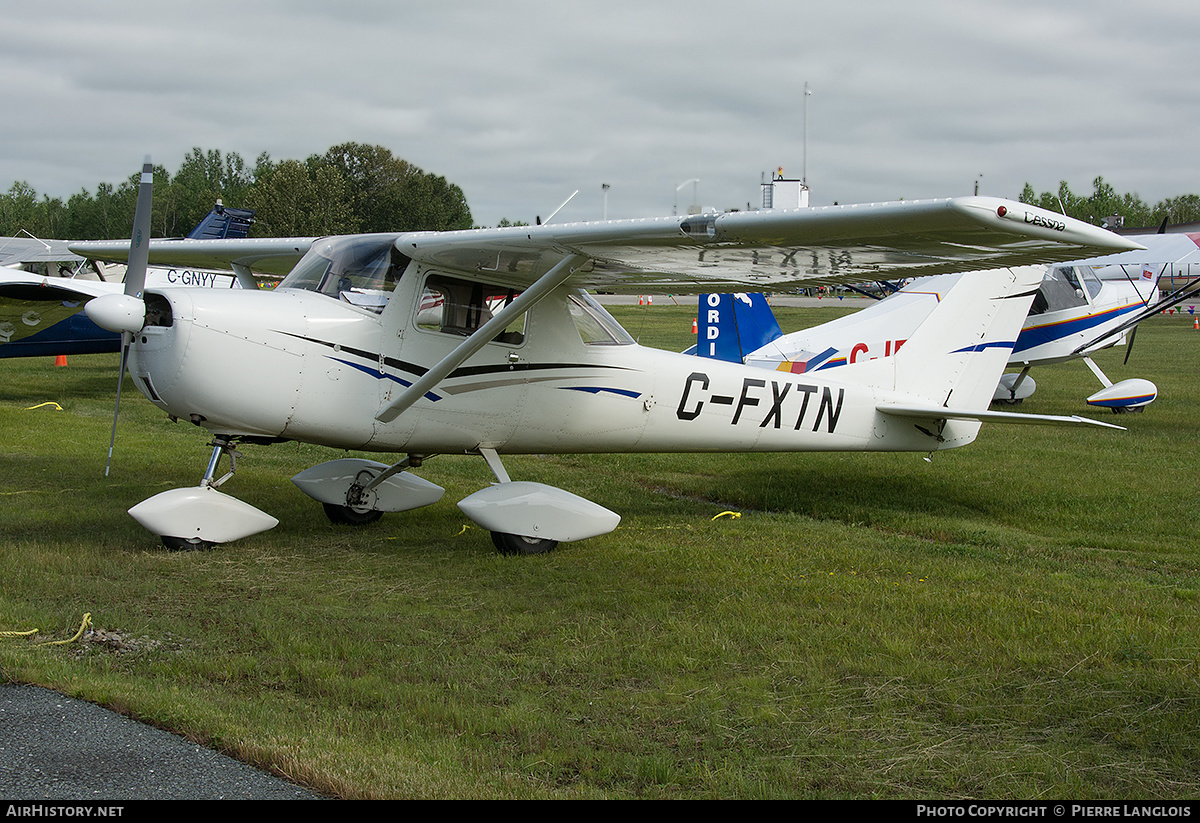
1196	323
694	319
61	360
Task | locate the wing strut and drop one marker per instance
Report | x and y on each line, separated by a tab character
485	333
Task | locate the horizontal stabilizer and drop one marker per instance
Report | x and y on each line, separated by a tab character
943	413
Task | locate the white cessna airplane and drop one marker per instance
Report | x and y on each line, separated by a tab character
350	351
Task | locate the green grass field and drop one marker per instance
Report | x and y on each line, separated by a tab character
1016	619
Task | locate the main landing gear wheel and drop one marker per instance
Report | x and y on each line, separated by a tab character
184	544
346	516
517	544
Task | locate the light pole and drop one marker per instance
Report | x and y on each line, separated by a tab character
804	171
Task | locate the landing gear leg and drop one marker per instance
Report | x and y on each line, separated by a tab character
1012	399
200	517
221	445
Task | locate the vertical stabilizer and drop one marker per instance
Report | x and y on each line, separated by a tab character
730	326
954	359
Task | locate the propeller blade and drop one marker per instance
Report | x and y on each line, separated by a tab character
139	244
135	283
126	339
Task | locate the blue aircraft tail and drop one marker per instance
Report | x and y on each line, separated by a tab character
223	222
730	326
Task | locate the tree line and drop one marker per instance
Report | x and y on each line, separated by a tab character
351	188
1105	202
355	188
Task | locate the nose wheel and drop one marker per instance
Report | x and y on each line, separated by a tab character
517	544
184	544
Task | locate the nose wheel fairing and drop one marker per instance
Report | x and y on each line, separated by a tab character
199	517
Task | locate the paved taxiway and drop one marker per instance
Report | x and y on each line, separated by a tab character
56	748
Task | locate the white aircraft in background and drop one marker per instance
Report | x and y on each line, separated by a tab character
44	285
349	352
1080	308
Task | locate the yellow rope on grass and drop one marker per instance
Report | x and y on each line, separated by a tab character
18	634
87	621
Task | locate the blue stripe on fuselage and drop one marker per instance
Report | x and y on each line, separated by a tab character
1034	336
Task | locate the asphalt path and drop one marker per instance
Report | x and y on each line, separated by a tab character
54	747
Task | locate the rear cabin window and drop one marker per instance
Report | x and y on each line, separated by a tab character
460	307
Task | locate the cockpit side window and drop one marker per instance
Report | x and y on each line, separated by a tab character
360	270
459	307
1060	289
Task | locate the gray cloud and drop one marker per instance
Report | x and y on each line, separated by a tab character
522	103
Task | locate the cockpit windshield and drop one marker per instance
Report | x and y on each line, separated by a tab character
362	270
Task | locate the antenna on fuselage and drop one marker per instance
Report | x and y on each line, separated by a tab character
560	208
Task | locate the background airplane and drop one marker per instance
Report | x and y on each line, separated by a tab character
349	352
1081	307
44	285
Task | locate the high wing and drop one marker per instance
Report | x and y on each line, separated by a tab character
764	250
270	256
754	250
1165	259
15	252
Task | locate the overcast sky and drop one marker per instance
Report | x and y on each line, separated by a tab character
522	103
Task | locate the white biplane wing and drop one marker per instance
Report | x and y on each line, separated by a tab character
753	250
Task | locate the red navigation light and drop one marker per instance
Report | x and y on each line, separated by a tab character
1003	210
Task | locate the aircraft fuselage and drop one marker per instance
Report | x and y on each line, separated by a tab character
301	365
